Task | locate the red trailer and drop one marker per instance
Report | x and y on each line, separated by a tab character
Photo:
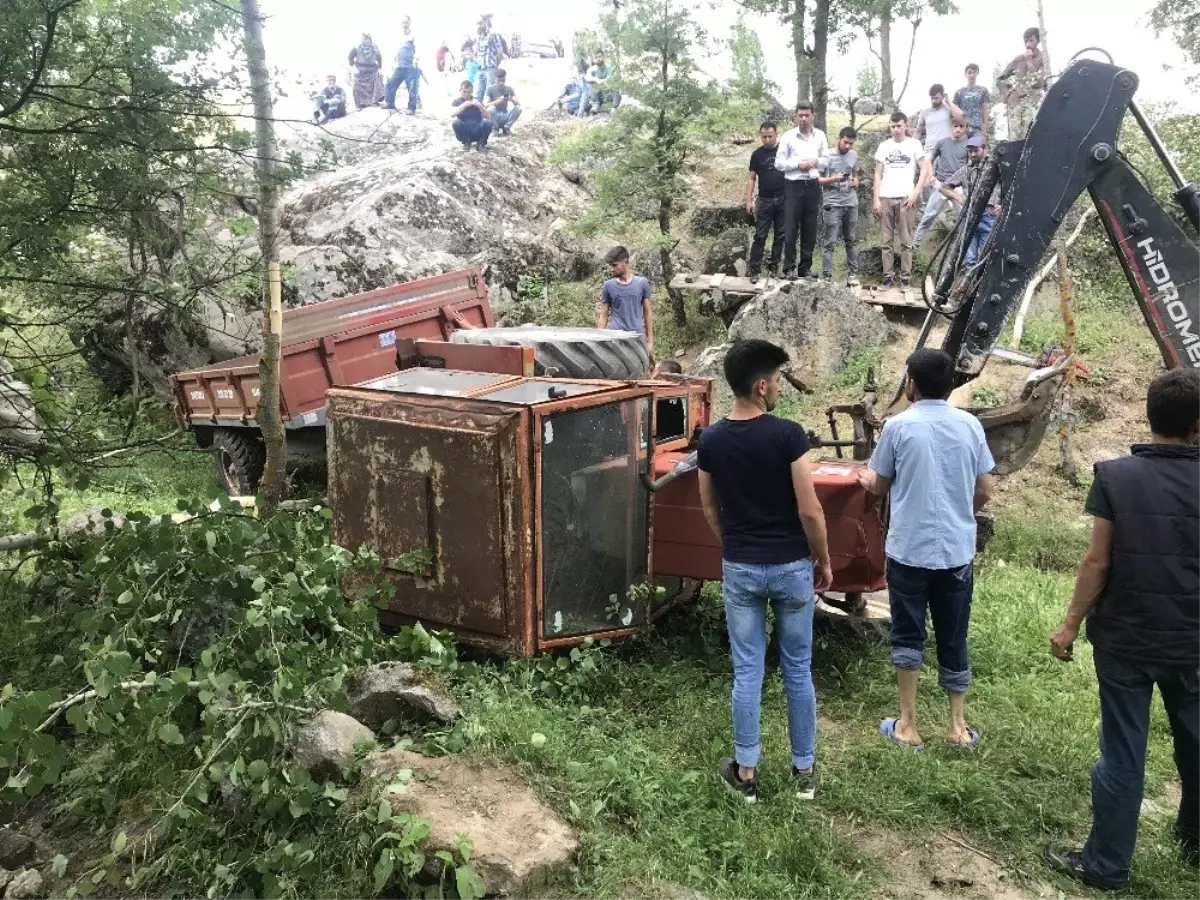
338	342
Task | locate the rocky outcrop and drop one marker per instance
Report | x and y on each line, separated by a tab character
709	221
518	842
399	691
391	198
326	744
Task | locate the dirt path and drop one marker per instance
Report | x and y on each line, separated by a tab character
943	866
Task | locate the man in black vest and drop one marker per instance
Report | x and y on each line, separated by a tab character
1139	587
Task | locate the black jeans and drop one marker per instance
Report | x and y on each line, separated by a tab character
802	208
946	594
768	216
1126	688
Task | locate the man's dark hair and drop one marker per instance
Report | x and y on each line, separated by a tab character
971	66
1032	33
804	105
898	116
500	73
768	124
616	254
932	371
670	365
1173	403
848	132
464	83
749	361
936	89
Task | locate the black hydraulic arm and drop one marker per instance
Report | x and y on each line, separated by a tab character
1072	147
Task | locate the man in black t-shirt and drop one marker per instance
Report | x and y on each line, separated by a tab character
759	499
768	209
1139	589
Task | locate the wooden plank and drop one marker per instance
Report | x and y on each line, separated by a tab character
730	284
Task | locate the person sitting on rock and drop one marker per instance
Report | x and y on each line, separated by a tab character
569	99
594	93
502	101
331	102
471	120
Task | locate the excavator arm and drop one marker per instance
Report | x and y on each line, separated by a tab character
1072	147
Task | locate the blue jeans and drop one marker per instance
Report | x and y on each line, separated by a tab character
410	77
747	590
472	132
594	97
946	593
986	221
1126	688
484	79
502	119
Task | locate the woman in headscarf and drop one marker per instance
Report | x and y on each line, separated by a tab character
368	78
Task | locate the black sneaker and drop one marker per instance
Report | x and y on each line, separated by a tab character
754	274
789	274
827	277
806	784
888	282
904	284
727	771
1070	863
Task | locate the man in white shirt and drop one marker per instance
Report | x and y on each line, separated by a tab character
901	170
799	159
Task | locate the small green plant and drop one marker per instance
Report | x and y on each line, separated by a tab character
986	397
531	286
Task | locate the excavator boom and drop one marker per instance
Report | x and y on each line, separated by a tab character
1072	147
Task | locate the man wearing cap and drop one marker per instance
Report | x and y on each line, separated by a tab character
958	187
331	102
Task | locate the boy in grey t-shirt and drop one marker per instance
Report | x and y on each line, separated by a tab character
625	299
948	156
840	175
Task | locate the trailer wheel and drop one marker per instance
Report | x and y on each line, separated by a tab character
570	352
240	456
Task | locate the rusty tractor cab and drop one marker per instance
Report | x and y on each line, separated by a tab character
549	510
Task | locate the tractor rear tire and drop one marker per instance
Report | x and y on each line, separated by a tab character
240	456
570	352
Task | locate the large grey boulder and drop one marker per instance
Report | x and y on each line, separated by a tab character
731	247
27	884
820	325
399	691
518	842
326	744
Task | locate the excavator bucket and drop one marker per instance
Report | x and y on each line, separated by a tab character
1015	431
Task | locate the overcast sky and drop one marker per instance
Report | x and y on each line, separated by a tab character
311	38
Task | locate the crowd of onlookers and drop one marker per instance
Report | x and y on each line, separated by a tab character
485	103
800	187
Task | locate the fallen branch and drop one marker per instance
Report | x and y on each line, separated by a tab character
1019	322
11	542
136	446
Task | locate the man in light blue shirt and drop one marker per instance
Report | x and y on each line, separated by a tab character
935	461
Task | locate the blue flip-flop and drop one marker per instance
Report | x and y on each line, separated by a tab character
888	729
969	744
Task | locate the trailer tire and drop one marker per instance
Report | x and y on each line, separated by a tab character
240	456
570	352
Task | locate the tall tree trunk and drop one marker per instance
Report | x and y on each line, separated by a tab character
269	417
678	310
803	76
887	84
820	69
